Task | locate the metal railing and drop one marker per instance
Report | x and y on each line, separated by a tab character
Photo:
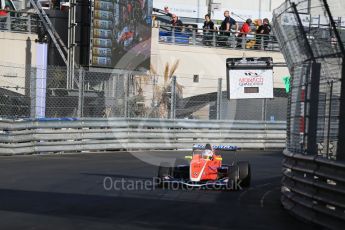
217	38
20	22
71	135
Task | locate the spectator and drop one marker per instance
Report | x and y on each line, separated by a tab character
3	17
176	23
5	11
227	24
245	29
262	33
208	29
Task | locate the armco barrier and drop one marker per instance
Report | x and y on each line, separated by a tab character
37	136
314	189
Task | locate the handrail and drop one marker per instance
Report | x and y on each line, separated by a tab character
217	38
20	22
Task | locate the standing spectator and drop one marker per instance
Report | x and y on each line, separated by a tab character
176	23
227	24
3	17
262	33
245	29
208	29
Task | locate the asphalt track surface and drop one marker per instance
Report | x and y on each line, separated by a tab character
68	192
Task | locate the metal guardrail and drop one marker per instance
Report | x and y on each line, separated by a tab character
30	137
314	189
217	38
20	22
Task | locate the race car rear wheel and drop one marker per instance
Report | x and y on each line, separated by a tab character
233	175
245	174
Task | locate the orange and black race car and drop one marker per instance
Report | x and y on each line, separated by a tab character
206	170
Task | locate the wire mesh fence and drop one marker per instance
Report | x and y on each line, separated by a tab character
24	93
308	29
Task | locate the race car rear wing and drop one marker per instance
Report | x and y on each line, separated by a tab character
216	147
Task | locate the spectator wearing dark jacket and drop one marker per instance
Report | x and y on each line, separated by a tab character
262	33
208	29
176	23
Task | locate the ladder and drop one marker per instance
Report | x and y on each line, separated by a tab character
59	44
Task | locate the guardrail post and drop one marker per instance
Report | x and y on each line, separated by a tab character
219	98
173	98
81	93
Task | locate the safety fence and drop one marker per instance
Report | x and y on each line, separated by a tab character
313	168
73	135
113	93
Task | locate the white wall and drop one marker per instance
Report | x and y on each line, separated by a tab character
207	62
18	52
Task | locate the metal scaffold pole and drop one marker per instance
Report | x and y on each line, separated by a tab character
71	44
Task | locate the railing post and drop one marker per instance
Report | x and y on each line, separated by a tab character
173	35
29	23
214	41
219	99
262	43
194	37
8	20
127	82
173	98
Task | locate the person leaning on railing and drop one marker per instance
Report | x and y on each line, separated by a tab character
176	23
245	29
262	34
225	28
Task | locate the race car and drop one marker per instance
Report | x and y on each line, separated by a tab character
206	171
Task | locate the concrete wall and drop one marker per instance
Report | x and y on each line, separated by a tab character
207	62
18	53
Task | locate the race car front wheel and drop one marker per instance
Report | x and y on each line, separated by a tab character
164	170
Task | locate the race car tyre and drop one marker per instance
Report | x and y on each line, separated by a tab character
233	175
245	174
181	172
163	170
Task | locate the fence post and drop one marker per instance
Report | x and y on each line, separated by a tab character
173	98
219	98
127	76
81	93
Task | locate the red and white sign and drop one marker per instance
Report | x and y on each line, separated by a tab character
246	84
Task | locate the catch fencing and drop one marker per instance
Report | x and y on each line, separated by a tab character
313	168
109	94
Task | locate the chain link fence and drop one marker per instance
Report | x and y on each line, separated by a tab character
105	93
314	103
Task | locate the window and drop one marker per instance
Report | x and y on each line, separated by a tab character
196	78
